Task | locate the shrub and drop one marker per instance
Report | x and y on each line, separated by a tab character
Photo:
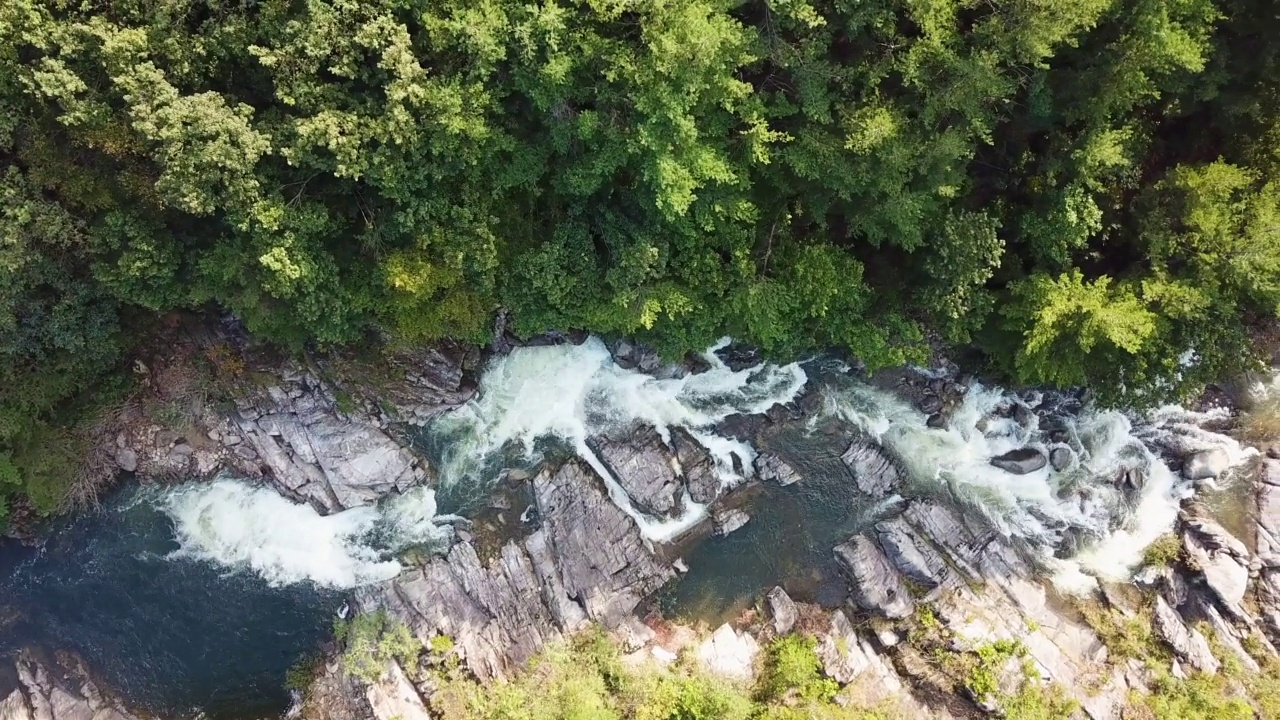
1164	552
372	641
793	665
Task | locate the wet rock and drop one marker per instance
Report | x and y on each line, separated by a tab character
1023	415
586	562
635	356
1132	480
1021	461
930	404
729	653
1061	458
728	521
1221	557
699	468
1185	642
782	609
873	471
641	464
936	421
898	542
775	469
1206	464
877	586
739	357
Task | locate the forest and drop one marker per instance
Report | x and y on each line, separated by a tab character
1084	192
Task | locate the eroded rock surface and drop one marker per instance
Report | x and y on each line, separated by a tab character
642	465
586	562
61	691
873	470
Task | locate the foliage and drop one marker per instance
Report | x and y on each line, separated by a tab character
1126	637
587	678
1164	551
1085	190
1261	425
372	641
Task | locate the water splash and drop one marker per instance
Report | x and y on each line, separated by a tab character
573	392
236	525
1085	511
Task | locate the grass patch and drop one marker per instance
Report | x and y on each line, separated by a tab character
1164	552
1262	425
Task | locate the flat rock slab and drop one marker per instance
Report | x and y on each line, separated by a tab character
643	466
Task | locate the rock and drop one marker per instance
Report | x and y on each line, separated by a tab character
1061	458
641	464
877	586
729	520
1222	559
1023	415
899	544
774	468
127	459
395	697
739	357
634	356
845	657
729	653
936	421
182	449
873	471
587	561
1021	461
634	634
59	692
699	469
1206	464
930	404
1187	643
782	609
245	452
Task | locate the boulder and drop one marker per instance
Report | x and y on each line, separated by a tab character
1021	461
873	471
846	656
730	520
1185	642
642	465
1206	464
1221	557
700	475
936	421
931	404
127	459
729	653
394	697
629	355
1061	458
877	586
782	609
774	468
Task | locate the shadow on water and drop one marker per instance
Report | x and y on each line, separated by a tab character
172	636
788	540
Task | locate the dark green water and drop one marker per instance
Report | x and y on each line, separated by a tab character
788	540
172	636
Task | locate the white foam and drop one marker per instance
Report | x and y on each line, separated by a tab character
574	392
1042	506
241	526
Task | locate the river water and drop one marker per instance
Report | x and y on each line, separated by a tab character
200	597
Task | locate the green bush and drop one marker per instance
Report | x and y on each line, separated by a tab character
372	640
792	664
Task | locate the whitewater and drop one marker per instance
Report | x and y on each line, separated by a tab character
565	394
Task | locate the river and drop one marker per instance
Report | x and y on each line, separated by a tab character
198	598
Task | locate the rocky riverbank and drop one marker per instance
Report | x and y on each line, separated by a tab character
930	584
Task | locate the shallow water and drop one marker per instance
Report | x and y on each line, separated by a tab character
173	636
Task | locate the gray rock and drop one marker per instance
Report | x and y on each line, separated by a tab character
394	697
873	471
1021	461
127	459
635	356
1206	464
643	466
1061	458
586	562
729	653
782	609
774	468
877	586
699	469
730	520
846	656
1187	643
64	692
936	421
930	404
1221	557
182	449
899	543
